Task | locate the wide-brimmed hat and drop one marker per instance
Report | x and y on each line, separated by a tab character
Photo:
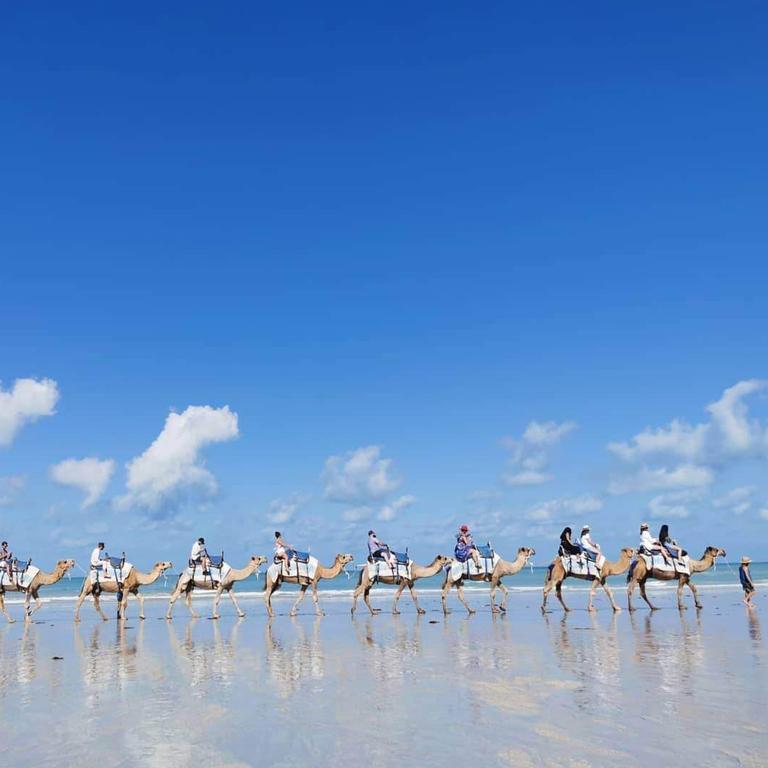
643	525
584	527
746	560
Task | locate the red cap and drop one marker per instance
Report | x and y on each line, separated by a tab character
464	527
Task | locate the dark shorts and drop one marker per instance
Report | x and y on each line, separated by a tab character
748	590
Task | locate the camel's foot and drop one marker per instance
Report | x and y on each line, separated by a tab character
592	609
320	613
447	612
699	606
616	609
395	612
11	621
168	617
105	618
495	609
420	611
375	611
653	607
293	614
631	609
471	611
566	609
681	607
503	608
141	617
241	614
195	615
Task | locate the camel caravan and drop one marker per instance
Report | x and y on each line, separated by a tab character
660	559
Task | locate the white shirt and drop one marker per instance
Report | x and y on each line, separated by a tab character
96	557
197	551
647	541
587	543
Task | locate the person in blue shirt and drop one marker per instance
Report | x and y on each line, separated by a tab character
745	577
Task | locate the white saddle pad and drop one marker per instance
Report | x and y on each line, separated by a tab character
578	565
459	570
22	580
380	568
293	569
216	575
108	573
658	563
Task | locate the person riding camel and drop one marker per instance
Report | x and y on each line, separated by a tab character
199	556
590	548
668	544
466	547
567	547
651	546
282	550
6	557
99	560
378	548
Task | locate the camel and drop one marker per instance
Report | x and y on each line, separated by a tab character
186	584
133	581
556	575
270	587
502	568
365	583
638	575
41	579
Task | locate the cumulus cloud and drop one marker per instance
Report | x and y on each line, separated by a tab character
562	507
737	501
680	451
675	504
90	475
284	509
173	463
10	486
355	514
659	478
390	511
529	457
27	401
359	476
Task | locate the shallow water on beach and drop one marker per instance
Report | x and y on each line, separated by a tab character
523	689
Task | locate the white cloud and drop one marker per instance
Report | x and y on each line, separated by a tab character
28	401
764	513
173	462
356	514
284	509
359	476
675	504
391	510
737	501
547	432
659	478
701	448
558	508
528	460
90	475
10	486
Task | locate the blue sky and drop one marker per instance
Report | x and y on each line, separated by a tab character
434	261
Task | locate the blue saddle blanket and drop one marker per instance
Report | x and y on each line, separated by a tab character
301	557
216	561
486	551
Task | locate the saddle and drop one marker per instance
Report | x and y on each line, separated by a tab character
293	554
20	566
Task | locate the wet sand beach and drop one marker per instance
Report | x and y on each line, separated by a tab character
522	689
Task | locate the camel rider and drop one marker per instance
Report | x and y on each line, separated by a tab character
282	550
567	547
99	560
590	548
649	545
668	545
378	548
199	556
6	561
465	547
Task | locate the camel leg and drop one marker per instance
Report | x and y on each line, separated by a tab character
84	592
547	589
140	598
460	590
7	615
630	590
122	608
398	593
188	601
316	599
419	609
608	592
38	605
645	597
216	599
97	606
367	601
268	589
505	591
559	593
695	593
444	596
299	599
231	593
355	595
680	587
174	598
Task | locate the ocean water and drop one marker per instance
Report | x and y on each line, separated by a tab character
724	575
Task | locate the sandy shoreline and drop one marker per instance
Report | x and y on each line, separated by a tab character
522	690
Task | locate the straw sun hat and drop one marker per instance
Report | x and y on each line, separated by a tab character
746	560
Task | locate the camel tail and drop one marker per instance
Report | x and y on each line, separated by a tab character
631	570
360	577
550	568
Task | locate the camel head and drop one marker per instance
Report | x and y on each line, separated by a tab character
65	565
526	552
258	560
443	560
714	551
163	566
628	552
344	559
